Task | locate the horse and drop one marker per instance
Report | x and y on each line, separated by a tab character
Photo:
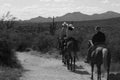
65	29
100	56
71	53
62	49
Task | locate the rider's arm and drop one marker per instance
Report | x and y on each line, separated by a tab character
94	38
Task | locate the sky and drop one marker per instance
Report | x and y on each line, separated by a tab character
26	9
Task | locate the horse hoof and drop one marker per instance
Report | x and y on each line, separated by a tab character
91	78
73	70
68	68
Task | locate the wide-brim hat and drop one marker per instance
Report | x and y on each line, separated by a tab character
65	24
71	27
97	28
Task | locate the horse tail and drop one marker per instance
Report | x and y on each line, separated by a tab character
98	56
105	57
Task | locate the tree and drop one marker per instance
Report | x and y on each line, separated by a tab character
7	20
6	23
7	56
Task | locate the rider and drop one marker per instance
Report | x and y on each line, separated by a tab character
67	28
98	39
69	35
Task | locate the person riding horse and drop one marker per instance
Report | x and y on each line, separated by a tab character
98	39
67	37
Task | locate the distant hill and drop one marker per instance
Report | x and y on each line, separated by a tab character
77	16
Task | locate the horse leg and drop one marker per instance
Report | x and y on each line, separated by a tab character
61	52
108	66
99	72
71	59
92	69
64	60
67	60
107	74
108	69
74	63
67	64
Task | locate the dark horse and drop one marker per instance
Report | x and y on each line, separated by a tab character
100	56
71	53
62	49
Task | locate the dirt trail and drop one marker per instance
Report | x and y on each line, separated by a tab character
41	68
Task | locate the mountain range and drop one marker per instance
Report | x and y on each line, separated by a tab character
77	16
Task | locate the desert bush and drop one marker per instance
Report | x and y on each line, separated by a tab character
7	56
45	42
21	47
38	35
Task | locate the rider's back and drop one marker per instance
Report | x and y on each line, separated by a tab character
99	37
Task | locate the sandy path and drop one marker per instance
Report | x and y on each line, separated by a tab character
41	68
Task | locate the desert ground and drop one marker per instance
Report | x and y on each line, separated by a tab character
48	68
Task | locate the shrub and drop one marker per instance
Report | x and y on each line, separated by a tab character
44	42
21	47
7	56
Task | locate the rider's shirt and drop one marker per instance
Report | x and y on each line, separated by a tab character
99	37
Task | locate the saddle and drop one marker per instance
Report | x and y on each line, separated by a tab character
99	46
67	42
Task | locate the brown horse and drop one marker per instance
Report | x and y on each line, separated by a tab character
71	53
100	56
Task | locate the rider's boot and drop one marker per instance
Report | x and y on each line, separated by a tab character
88	58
